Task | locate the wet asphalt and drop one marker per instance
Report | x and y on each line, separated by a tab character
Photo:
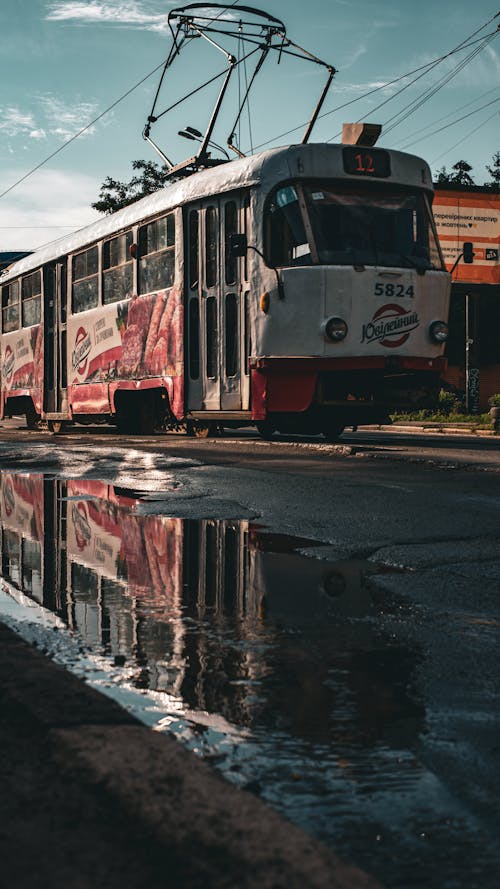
414	743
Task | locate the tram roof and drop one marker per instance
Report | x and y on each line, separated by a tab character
266	169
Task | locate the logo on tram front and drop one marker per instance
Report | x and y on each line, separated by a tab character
8	364
391	326
81	351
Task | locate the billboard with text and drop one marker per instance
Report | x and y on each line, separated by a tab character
470	216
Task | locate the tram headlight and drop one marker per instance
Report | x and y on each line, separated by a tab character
335	329
438	331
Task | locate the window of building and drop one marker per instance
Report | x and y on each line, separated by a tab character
10	307
31	299
157	254
117	269
85	280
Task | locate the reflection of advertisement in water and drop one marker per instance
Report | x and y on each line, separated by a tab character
104	534
21	504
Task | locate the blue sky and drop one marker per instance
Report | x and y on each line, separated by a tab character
63	62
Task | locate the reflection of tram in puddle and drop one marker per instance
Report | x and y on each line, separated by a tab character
205	610
22	519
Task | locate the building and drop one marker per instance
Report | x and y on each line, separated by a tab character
472	214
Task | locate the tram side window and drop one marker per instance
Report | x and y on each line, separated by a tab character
230	228
157	254
231	344
10	307
85	280
193	249
117	269
31	299
210	247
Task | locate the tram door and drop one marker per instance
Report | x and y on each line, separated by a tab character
55	368
216	365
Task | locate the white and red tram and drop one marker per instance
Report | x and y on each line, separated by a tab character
301	289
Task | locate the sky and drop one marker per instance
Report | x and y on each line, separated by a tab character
63	63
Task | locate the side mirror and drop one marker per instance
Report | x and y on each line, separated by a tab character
237	245
468	252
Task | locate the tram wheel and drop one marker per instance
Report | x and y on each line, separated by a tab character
200	430
145	421
32	419
266	429
55	426
333	431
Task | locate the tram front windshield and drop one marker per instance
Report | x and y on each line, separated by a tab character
336	224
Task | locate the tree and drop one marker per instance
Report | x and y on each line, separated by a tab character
461	174
443	175
494	172
114	194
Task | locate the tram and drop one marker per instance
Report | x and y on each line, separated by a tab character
301	289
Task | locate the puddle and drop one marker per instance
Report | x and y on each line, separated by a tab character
274	666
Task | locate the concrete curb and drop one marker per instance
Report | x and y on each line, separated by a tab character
435	429
207	833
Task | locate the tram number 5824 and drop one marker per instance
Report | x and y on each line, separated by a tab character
398	290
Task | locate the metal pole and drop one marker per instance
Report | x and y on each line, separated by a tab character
471	356
467	355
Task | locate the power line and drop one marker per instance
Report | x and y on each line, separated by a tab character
80	132
431	91
92	123
453	123
424	129
376	89
469	134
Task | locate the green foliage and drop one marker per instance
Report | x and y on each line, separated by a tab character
443	175
494	172
437	417
494	400
449	409
461	174
448	403
114	194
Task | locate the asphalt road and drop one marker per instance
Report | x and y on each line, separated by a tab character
428	506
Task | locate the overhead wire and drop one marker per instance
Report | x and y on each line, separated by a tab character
467	136
81	132
453	123
376	89
403	115
424	129
248	106
90	124
467	42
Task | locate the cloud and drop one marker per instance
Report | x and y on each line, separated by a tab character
127	13
64	120
49	117
50	204
118	12
14	122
